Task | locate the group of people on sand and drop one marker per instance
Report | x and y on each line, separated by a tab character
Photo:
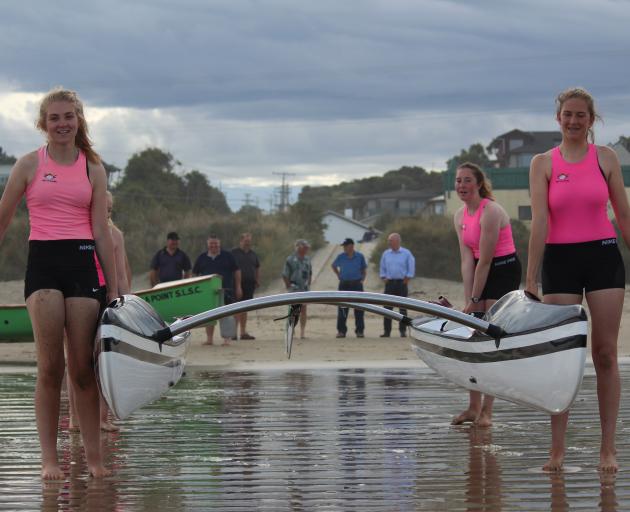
77	264
396	268
239	270
572	246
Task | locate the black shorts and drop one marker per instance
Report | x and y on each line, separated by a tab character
248	288
503	277
65	265
582	267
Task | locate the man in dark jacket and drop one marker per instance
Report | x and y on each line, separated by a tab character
170	263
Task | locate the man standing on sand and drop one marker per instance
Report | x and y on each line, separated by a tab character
298	274
350	268
397	267
169	263
249	265
218	261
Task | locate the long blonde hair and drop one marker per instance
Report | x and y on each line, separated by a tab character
82	140
582	94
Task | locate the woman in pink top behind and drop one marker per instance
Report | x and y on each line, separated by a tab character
574	241
490	267
64	183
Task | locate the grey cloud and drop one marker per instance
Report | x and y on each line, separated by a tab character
288	60
339	88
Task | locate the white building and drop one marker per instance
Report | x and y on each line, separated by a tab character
339	227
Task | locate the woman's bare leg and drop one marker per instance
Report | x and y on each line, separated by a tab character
559	422
73	420
81	319
485	416
470	414
606	307
480	406
47	312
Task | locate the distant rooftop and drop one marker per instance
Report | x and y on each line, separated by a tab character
534	142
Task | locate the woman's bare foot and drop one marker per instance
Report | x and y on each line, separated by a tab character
208	342
608	463
52	472
483	420
554	463
226	342
467	416
99	471
108	426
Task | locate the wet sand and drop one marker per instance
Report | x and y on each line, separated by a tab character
329	439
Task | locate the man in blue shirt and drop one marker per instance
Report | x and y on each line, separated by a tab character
217	261
397	267
350	268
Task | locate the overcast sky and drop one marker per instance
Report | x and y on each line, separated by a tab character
330	90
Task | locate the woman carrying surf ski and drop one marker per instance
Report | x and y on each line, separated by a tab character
489	264
64	183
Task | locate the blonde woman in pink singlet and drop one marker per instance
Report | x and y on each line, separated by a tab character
490	266
64	183
573	246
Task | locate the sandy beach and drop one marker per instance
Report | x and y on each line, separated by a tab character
320	347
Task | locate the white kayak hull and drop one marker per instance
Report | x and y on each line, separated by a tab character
540	368
134	370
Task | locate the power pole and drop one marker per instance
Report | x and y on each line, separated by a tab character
284	190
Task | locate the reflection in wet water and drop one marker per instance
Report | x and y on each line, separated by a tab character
314	440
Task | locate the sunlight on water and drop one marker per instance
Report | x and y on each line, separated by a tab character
313	440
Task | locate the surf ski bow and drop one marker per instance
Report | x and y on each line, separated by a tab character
133	368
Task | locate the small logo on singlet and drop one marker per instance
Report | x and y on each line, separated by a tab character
562	177
50	177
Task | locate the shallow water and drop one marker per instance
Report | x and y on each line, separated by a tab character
327	439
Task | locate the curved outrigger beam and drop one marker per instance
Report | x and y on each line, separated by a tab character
343	298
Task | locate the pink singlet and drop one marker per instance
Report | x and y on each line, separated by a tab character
59	202
578	199
471	233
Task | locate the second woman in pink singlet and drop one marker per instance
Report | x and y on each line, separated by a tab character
490	266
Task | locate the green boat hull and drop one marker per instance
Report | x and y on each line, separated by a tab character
171	300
